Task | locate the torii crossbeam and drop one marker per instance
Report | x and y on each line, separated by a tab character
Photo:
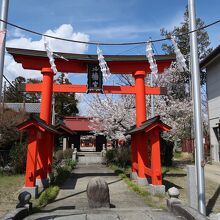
106	89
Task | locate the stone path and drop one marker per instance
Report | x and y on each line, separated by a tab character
72	203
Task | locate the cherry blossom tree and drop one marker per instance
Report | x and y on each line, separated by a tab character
112	115
175	108
117	114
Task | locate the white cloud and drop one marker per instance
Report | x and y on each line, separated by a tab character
133	31
175	21
13	69
121	32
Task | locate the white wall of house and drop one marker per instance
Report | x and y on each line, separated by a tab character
213	92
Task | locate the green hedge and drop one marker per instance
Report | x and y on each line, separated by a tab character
119	156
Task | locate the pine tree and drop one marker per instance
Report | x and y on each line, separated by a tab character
33	97
65	103
15	92
12	93
183	42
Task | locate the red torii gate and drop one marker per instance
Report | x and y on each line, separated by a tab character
77	63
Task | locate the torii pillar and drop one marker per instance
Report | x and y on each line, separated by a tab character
45	151
139	154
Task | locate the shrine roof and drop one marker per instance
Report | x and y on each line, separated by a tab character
78	123
78	63
149	124
86	57
36	120
64	129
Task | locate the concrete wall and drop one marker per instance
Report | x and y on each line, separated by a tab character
213	92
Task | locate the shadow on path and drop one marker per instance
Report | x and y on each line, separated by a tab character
212	201
74	194
58	208
169	184
70	183
81	175
54	216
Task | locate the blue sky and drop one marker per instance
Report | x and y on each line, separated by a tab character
100	21
111	20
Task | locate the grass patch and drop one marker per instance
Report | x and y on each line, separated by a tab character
9	190
62	172
182	156
177	155
11	180
172	170
157	201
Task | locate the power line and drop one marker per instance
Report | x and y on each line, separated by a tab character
14	88
9	81
103	43
128	50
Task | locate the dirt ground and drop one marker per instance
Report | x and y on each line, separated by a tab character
177	178
9	190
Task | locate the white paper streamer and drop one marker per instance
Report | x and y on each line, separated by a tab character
50	56
59	56
180	60
103	65
151	60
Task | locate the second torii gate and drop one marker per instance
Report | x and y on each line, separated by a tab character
78	63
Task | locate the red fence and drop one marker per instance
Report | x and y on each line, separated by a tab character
188	145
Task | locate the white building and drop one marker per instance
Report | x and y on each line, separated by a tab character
212	65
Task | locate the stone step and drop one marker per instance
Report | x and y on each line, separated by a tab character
88	154
105	214
89	157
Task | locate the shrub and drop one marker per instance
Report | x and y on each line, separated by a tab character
17	157
123	157
119	156
8	122
62	173
70	163
48	195
59	155
67	154
110	156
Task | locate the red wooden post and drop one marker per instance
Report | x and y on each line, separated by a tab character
45	146
140	97
155	158
140	117
142	154
46	99
50	152
134	153
31	163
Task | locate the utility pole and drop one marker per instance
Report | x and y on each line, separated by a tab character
3	26
3	97
197	108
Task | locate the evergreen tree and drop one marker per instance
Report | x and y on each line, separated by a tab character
183	42
65	103
12	93
33	97
15	92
